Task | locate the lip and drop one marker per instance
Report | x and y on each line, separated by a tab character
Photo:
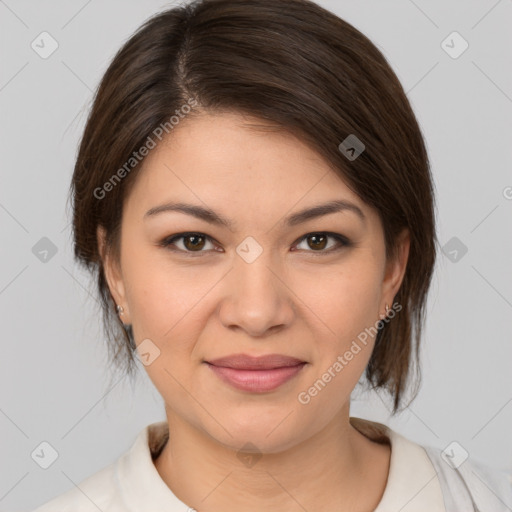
256	374
247	362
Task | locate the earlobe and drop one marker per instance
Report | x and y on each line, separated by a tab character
112	274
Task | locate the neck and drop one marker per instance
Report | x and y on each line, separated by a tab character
332	470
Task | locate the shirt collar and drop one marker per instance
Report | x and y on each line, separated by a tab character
412	483
143	489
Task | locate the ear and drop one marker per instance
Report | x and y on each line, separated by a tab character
395	270
113	275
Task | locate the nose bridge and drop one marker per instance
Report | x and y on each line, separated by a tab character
256	272
256	298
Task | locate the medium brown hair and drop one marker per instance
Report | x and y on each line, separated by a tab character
292	64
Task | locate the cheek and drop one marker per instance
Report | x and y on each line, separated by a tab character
344	299
343	308
164	305
160	294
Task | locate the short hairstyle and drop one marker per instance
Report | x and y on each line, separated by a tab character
293	65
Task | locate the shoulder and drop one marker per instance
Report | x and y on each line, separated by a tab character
105	490
132	479
470	482
412	484
435	479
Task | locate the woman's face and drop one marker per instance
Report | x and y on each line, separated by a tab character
256	287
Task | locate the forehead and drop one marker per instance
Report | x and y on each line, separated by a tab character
234	161
237	147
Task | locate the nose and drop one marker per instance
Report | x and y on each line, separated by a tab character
255	297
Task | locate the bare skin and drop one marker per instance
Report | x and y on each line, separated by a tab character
299	298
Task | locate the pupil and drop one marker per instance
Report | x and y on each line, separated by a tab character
193	245
323	238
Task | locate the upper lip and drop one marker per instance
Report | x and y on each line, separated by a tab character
246	362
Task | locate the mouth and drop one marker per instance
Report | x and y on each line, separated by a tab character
256	374
246	362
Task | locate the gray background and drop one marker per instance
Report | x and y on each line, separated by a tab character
53	375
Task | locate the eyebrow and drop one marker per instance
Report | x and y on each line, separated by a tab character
212	217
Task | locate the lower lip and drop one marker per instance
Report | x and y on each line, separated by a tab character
256	381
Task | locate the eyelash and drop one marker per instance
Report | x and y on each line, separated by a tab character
169	241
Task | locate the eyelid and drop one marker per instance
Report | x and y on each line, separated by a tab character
167	242
342	242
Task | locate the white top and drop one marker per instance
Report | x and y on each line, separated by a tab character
132	483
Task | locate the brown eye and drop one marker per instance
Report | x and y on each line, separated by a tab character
193	242
318	242
188	243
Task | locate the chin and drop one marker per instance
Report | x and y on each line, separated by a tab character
267	435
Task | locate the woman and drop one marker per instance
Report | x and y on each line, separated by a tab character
253	191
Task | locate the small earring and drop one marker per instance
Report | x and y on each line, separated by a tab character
387	310
120	310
